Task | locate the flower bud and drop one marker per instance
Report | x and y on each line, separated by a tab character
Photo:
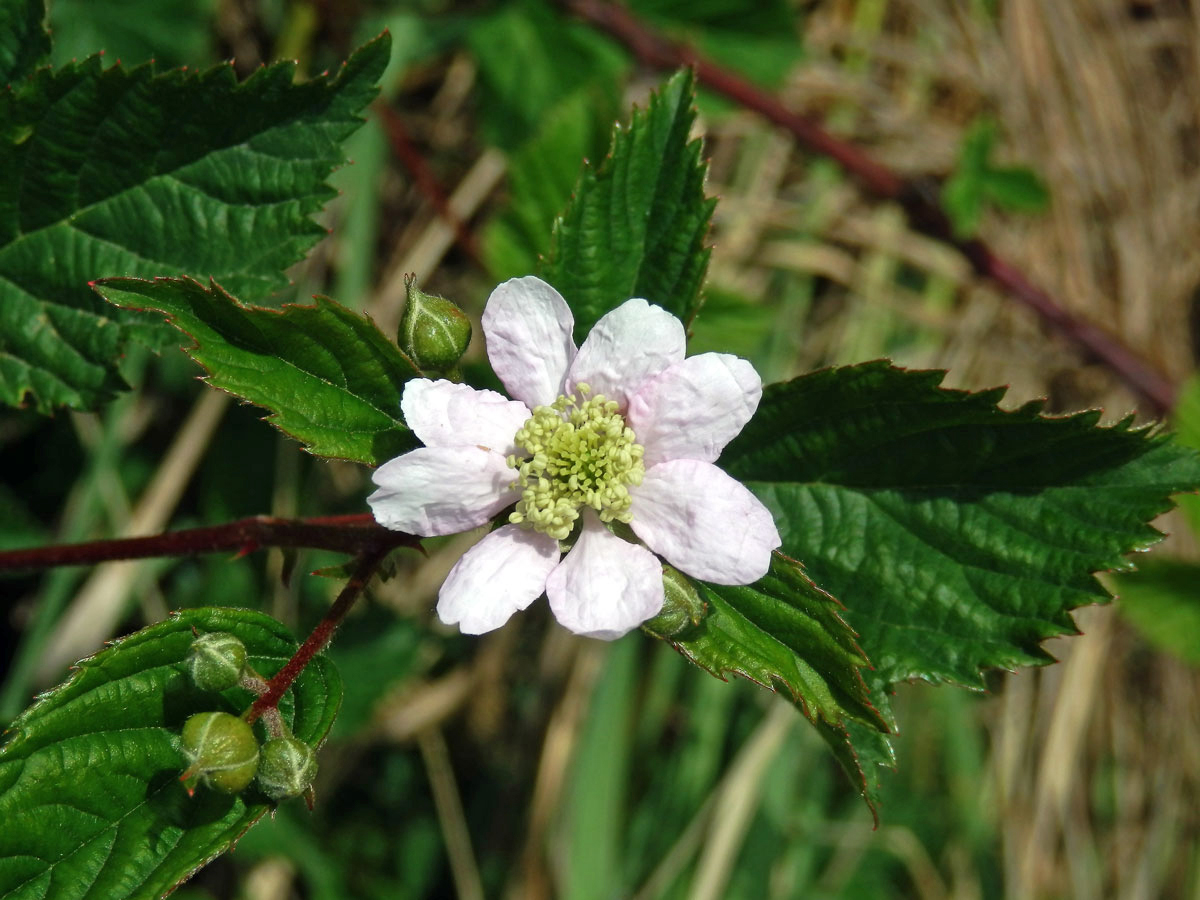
288	768
221	751
216	661
433	331
682	607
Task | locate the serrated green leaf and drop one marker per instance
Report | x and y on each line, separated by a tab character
90	795
636	225
786	634
958	535
24	41
107	172
1162	600
328	375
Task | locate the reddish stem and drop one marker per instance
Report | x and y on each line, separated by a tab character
345	534
277	686
923	210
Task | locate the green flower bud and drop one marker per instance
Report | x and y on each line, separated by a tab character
288	768
682	608
216	661
433	331
221	751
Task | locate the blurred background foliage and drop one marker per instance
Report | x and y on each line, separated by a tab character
530	763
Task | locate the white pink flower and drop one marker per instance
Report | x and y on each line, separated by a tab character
622	430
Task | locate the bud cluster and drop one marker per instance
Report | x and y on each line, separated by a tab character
221	749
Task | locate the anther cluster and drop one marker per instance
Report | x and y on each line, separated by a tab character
581	453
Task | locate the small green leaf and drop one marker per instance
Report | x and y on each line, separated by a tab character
1162	600
976	182
107	172
90	797
786	634
328	375
24	41
636	226
1017	189
958	535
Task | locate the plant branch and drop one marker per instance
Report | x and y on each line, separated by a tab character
368	561
346	534
921	204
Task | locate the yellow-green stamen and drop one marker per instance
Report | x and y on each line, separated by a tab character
580	454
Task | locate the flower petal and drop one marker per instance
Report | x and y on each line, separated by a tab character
628	345
694	408
441	490
703	522
444	414
606	587
527	325
503	573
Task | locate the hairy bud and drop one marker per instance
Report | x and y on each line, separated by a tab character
433	331
216	661
221	751
287	769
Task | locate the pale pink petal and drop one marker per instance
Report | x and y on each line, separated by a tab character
441	490
627	346
503	573
606	587
444	414
703	522
694	408
527	325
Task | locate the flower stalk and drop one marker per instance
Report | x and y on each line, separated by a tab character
366	566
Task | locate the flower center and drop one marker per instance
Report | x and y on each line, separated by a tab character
581	453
